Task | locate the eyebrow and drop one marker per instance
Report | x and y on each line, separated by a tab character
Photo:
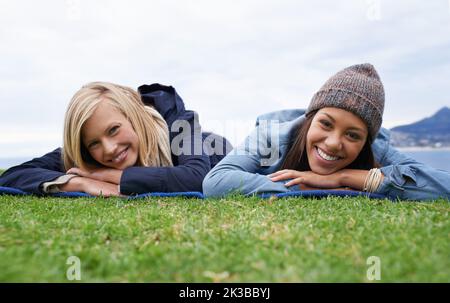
352	128
89	142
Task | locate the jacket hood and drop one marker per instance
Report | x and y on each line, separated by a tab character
164	99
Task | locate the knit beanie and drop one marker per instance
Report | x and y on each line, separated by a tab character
357	89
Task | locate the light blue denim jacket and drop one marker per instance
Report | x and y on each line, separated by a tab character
245	168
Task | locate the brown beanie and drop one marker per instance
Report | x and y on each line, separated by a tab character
357	89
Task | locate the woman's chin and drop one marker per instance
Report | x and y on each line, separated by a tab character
125	164
120	166
323	171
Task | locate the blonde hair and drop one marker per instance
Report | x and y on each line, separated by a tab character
149	125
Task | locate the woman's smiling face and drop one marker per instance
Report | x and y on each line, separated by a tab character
334	140
110	138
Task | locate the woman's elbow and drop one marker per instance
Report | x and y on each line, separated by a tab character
211	188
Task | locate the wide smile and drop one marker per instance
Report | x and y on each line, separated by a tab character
120	157
326	157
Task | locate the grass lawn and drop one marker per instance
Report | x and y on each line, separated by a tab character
231	240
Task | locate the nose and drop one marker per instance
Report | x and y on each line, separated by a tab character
333	142
109	149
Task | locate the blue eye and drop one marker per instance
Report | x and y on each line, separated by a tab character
113	130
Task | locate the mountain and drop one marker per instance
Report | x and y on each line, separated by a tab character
433	131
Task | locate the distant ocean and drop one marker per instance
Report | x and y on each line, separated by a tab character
439	159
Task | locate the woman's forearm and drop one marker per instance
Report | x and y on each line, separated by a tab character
91	186
354	178
73	185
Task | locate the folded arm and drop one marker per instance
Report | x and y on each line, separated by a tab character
31	175
241	171
405	178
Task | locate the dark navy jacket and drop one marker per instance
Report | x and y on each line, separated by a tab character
186	175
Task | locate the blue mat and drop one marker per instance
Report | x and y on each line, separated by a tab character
14	191
323	194
199	195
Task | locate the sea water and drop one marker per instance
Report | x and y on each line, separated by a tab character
439	159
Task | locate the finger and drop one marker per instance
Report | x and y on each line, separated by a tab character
277	173
105	193
74	171
294	182
79	172
280	177
286	175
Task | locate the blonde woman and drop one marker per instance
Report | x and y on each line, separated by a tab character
118	141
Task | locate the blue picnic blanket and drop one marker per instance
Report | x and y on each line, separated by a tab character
199	195
15	191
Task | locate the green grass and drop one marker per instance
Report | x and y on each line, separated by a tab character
231	240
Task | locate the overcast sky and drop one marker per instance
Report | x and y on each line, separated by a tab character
229	60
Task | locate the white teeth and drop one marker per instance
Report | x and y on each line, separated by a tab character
325	156
119	157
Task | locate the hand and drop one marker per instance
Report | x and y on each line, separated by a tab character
91	186
307	179
104	174
100	188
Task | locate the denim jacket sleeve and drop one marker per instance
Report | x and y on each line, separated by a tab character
406	178
244	170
